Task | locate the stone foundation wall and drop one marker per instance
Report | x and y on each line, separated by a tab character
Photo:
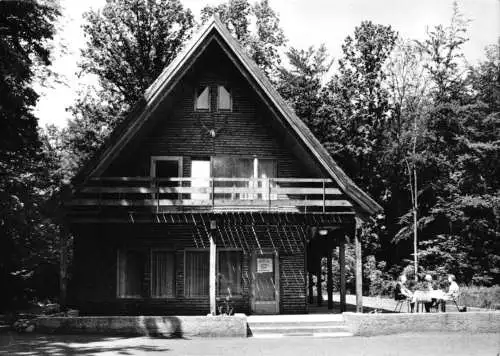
383	324
160	326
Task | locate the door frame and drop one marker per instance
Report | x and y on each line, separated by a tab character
253	269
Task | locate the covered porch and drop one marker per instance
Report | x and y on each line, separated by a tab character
274	249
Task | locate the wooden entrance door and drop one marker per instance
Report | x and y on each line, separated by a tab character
265	288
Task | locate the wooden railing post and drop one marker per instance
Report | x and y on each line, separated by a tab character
213	192
269	181
99	185
157	184
324	196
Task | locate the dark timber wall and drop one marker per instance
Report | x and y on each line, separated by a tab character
94	284
178	130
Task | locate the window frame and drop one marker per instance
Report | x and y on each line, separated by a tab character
174	288
186	251
154	159
255	163
199	89
230	92
119	251
230	249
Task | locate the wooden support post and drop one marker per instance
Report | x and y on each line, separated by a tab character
63	251
359	272
212	279
342	274
319	292
310	287
329	280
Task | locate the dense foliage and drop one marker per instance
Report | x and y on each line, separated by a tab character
26	238
419	130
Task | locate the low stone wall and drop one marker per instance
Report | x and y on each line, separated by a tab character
382	324
160	326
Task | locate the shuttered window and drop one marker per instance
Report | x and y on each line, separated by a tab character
229	272
131	267
162	274
197	273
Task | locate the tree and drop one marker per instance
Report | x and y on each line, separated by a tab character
302	84
463	224
408	92
25	28
357	104
264	44
129	43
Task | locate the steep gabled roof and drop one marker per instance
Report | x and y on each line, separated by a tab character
167	80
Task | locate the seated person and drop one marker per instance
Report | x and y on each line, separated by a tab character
429	286
452	293
403	293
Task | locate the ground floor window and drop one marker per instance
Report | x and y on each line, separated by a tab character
144	272
162	274
229	272
197	273
131	268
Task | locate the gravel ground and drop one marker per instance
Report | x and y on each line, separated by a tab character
414	344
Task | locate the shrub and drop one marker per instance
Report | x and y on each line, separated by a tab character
480	297
376	279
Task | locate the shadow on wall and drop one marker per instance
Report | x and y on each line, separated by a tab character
160	327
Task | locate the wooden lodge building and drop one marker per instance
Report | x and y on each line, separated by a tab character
212	187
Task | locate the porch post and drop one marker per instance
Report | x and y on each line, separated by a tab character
359	272
310	287
319	292
342	274
63	267
212	280
329	280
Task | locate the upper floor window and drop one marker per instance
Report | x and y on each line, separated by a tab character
202	100
166	166
166	169
224	100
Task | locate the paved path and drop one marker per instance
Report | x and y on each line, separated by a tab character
453	344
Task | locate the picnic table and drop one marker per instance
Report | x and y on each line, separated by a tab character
420	297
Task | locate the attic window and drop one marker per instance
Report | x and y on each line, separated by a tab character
202	101
224	102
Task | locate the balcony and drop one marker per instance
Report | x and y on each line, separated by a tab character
211	194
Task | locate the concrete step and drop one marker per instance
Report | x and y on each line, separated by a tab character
299	325
315	335
296	329
279	324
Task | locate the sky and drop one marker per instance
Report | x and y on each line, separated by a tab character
305	23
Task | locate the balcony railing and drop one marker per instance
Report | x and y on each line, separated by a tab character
295	194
